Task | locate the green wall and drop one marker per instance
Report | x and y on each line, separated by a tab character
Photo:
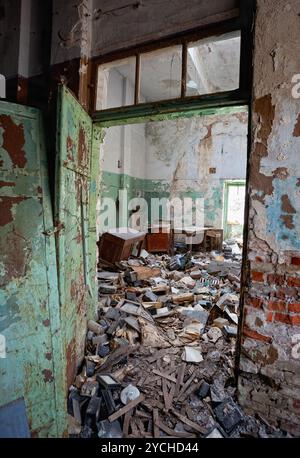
111	183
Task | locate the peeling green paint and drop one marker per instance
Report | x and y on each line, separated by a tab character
29	307
76	191
160	189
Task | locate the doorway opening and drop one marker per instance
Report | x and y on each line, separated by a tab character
169	268
169	262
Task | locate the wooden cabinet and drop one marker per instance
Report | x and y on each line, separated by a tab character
159	239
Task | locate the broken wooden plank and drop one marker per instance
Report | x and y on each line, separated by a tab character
180	378
189	391
116	356
145	272
126	423
165	392
140	425
186	385
170	398
164	375
188	422
141	414
155	423
172	432
134	427
161	353
126	408
142	380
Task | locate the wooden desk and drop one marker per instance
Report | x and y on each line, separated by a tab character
115	246
193	231
160	239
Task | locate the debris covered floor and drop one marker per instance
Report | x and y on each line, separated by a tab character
160	356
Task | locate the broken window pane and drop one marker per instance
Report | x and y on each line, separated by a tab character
213	64
161	74
115	87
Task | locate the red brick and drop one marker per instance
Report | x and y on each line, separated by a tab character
294	307
256	335
295	261
283	293
294	281
293	320
280	294
283	318
257	276
255	302
275	279
277	306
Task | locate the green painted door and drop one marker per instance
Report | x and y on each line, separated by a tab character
31	363
75	215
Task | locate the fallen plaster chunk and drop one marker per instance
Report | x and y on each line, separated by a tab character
192	355
214	334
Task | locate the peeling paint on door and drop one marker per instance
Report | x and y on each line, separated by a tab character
28	277
76	242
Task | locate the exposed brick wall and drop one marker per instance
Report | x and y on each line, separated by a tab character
269	381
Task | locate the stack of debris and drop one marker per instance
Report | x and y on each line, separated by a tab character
160	354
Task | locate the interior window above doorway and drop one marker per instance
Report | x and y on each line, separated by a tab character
185	69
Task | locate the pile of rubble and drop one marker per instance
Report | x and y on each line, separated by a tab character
160	355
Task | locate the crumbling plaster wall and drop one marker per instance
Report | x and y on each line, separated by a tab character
118	24
192	157
270	358
173	158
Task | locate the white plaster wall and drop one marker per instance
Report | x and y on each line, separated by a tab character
126	144
185	149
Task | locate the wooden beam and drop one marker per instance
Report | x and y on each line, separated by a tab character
188	422
164	375
183	69
180	378
126	408
137	85
155	423
126	423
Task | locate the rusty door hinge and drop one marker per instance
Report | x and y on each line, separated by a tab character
55	230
